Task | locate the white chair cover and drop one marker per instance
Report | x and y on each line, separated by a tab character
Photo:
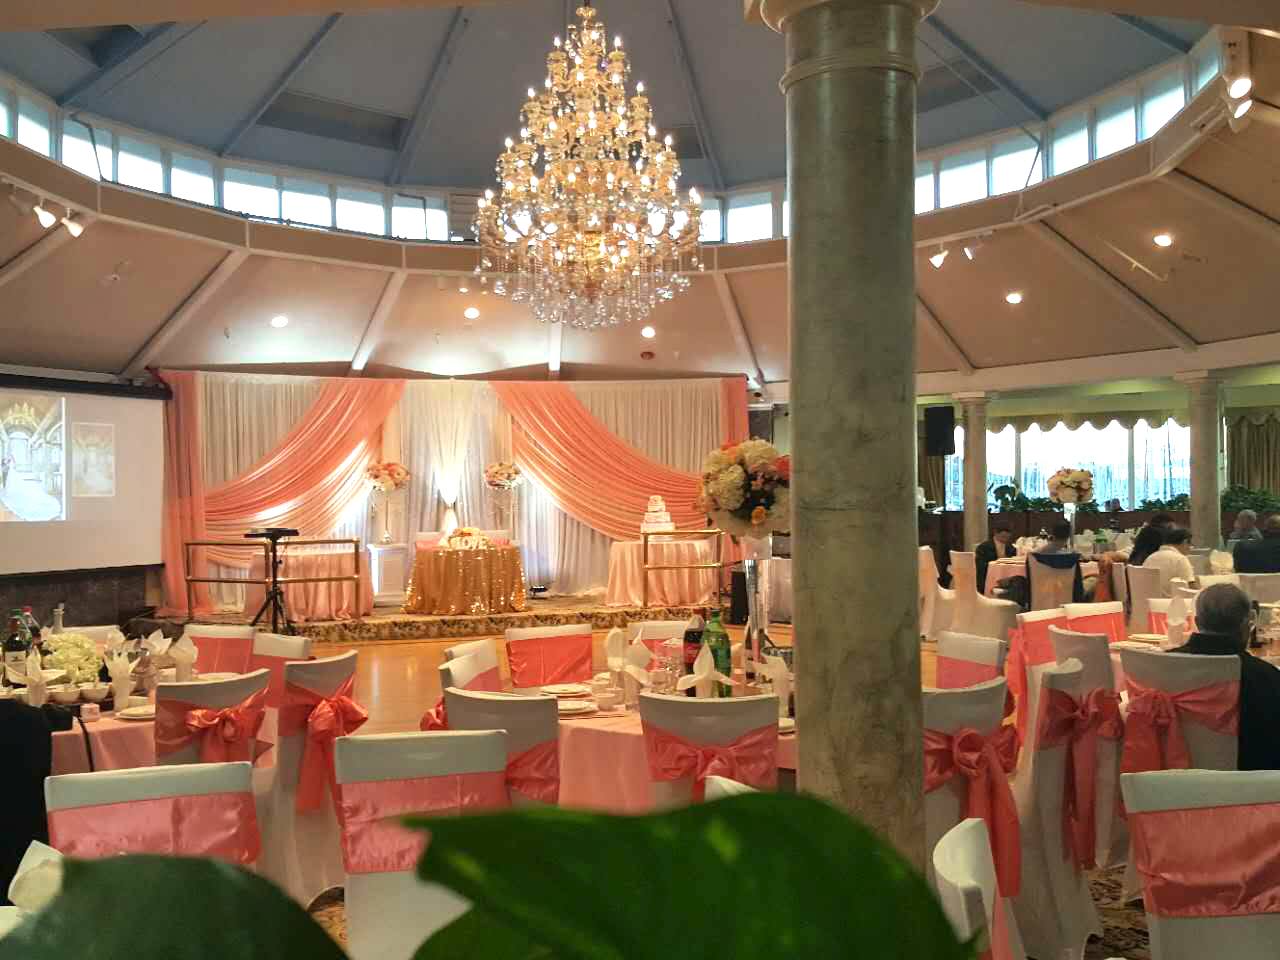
1031	626
281	646
1054	908
927	589
965	879
460	671
390	914
720	787
1261	587
1049	586
944	603
528	721
301	852
975	613
1248	937
1216	578
481	648
1143	585
1119	583
209	693
655	630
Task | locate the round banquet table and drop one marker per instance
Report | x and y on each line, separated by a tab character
671	588
449	582
117	745
1006	567
335	600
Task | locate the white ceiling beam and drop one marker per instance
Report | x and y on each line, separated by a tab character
700	123
417	125
987	69
281	83
555	344
929	320
125	62
378	321
198	297
1120	292
729	303
1223	203
53	240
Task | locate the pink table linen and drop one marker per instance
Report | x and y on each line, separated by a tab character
316	601
1007	567
666	587
603	765
117	745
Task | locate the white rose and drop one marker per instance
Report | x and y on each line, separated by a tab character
728	487
716	461
757	454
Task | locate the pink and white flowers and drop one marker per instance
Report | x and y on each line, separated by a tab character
502	475
387	477
1071	485
746	489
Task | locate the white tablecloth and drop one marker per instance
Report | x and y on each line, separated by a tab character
1007	567
666	587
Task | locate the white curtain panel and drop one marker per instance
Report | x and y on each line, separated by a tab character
443	415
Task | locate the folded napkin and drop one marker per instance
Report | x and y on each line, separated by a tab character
39	878
1176	628
115	641
775	668
615	650
121	671
184	655
156	645
37	692
637	662
704	675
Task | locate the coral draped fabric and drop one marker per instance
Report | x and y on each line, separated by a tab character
183	492
225	734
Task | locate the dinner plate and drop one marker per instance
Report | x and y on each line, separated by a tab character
137	713
786	724
567	689
1148	637
576	708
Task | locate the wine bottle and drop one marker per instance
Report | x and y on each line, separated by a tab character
15	645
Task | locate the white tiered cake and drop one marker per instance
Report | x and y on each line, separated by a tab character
656	518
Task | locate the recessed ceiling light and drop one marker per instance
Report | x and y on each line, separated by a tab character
280	320
471	313
1162	240
1014	297
1239	87
1241	108
462	289
648	332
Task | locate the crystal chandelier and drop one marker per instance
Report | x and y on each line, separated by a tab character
587	226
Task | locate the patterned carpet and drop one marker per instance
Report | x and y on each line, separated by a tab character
1124	928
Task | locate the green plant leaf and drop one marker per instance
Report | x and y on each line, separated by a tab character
756	876
479	934
168	908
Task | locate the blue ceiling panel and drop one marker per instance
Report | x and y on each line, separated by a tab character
38	59
294	149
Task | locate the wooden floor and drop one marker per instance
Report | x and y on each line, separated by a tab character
398	682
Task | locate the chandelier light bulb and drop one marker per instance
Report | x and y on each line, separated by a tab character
617	43
509	142
640	87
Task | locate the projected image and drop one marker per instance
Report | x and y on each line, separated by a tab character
93	460
31	456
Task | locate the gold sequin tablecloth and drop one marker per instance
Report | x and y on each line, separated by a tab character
466	582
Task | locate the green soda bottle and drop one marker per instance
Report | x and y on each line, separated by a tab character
717	638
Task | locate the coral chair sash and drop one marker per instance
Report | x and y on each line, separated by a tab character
373	841
535	773
1209	862
1111	625
222	654
751	759
275	688
1153	736
219	825
984	761
322	720
224	733
437	718
1029	646
540	660
1078	725
954	673
998	947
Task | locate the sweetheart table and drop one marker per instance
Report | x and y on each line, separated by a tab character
450	582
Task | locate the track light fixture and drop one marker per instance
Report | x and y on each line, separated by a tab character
46	216
1236	76
72	225
971	247
939	258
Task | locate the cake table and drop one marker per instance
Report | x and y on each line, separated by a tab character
667	588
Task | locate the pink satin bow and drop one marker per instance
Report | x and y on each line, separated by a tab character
535	773
1153	737
984	762
225	734
1078	725
437	718
324	719
751	759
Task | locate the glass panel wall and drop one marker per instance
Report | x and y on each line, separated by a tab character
1015	164
191	178
78	152
306	201
962	178
140	165
711	223
361	211
1117	126
33	125
1070	143
924	186
750	217
1162	98
251	192
1162	461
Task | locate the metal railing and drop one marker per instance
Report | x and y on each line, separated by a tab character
707	534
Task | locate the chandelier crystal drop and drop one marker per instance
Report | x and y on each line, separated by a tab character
587	226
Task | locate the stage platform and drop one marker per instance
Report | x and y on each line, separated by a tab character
389	625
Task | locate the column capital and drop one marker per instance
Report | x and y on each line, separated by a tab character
972	399
776	13
1191	377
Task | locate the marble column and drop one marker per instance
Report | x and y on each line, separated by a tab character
850	87
974	408
1205	407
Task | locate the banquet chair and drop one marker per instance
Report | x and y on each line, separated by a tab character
1215	578
1179	820
965	879
947	713
1093	652
221	648
1119	582
1107	618
740	732
1199	558
383	776
242	703
1051	586
499	538
1261	587
965	660
271	651
1054	907
1143	584
533	738
1158	615
974	613
472	666
301	851
718	788
652	632
926	589
1031	651
543	655
193	810
426	539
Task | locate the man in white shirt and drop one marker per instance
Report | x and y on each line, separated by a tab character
1171	559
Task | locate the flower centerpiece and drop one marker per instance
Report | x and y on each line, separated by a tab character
502	475
385	478
466	538
746	489
75	654
1070	485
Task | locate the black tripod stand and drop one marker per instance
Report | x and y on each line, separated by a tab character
275	594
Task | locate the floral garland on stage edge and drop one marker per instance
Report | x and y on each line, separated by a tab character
502	475
746	489
1070	485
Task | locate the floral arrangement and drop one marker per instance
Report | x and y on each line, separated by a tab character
467	538
387	477
502	475
1071	486
746	489
73	653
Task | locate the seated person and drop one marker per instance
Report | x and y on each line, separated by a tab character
1245	527
1171	559
1059	553
26	739
1222	630
1059	539
1148	540
1000	546
1260	556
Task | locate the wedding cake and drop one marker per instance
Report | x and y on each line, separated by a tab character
656	518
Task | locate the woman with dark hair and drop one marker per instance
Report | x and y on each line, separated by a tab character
1148	541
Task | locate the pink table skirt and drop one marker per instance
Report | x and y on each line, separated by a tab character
1007	567
666	587
316	601
117	745
603	765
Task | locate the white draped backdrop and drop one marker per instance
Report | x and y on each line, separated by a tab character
448	431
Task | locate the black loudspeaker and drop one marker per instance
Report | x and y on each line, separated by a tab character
940	431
